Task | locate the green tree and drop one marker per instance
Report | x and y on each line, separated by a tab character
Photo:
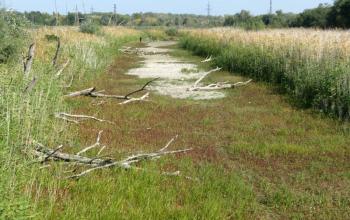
317	17
339	15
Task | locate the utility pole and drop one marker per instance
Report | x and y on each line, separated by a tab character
115	14
208	9
208	12
76	15
270	7
83	4
56	13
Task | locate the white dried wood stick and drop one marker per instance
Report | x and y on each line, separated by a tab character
97	144
69	117
208	59
141	99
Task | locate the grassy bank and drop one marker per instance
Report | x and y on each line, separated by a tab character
249	161
312	66
28	115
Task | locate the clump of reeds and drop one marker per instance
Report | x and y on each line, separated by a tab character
311	65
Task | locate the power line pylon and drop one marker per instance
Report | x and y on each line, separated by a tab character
77	21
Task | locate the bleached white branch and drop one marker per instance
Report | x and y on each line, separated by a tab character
205	75
141	99
208	59
98	163
60	71
97	144
77	118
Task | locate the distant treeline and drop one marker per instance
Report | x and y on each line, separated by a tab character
324	16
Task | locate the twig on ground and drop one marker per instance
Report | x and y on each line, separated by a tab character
141	99
97	144
69	117
54	60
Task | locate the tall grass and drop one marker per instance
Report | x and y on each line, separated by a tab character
25	117
312	66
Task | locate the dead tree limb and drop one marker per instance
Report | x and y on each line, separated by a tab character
205	75
98	163
141	99
30	86
215	86
29	60
77	118
60	71
208	59
97	144
54	60
220	86
143	88
91	93
85	92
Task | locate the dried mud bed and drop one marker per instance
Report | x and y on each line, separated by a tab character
175	76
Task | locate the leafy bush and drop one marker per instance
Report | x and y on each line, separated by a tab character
90	28
172	32
156	34
11	35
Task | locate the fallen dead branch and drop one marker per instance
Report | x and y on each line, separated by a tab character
97	144
97	163
220	86
54	60
60	71
31	85
216	86
28	61
77	118
205	75
141	99
91	92
208	59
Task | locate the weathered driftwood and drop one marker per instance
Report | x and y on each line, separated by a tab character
30	86
205	75
91	92
220	86
60	71
27	63
141	99
77	118
54	60
97	144
208	59
98	163
215	86
85	92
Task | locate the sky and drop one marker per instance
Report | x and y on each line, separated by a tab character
218	7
